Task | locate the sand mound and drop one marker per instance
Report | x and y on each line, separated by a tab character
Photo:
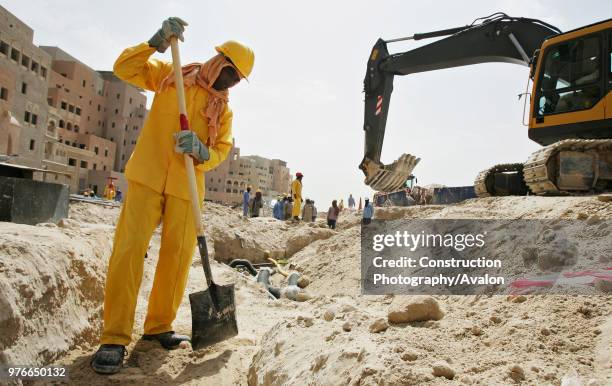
54	307
234	237
481	339
51	290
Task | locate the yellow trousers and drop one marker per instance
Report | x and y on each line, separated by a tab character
142	212
297	207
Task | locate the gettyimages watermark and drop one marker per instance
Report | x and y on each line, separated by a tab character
466	257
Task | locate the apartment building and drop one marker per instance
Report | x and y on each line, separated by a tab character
227	182
97	118
24	71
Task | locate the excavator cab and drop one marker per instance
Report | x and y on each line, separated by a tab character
571	113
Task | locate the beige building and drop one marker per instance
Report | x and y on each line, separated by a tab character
24	72
58	114
125	115
227	182
95	118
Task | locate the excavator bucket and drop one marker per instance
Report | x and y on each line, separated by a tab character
389	178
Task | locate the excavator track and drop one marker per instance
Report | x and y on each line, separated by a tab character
542	171
485	183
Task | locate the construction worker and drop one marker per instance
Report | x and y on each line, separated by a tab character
277	212
368	212
246	197
332	215
351	202
118	196
256	204
158	186
307	211
296	191
288	208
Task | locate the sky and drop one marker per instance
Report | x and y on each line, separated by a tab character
304	101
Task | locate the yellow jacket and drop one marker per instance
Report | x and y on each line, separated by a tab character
296	189
154	163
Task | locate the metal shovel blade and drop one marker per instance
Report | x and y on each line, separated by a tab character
392	177
213	311
213	315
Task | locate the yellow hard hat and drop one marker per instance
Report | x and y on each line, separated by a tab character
241	55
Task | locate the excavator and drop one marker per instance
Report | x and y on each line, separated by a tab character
570	110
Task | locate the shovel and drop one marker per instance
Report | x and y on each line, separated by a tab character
213	311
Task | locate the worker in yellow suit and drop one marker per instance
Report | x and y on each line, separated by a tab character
296	190
158	187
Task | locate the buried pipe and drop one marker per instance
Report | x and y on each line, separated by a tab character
263	277
291	291
242	263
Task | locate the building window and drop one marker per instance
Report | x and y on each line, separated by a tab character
96	149
71	162
15	54
71	108
43	73
113	125
4	47
95	166
124	142
32	143
104	167
106	152
25	61
24	88
228	190
50	101
84	164
98	107
27	116
84	83
34	119
122	157
61	123
82	146
35	66
74	144
69	126
78	111
64	105
130	100
76	128
118	96
3	93
116	111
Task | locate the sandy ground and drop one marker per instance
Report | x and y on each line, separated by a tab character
52	280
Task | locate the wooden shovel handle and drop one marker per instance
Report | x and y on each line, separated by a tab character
191	177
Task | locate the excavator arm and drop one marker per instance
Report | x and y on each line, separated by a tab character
496	38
